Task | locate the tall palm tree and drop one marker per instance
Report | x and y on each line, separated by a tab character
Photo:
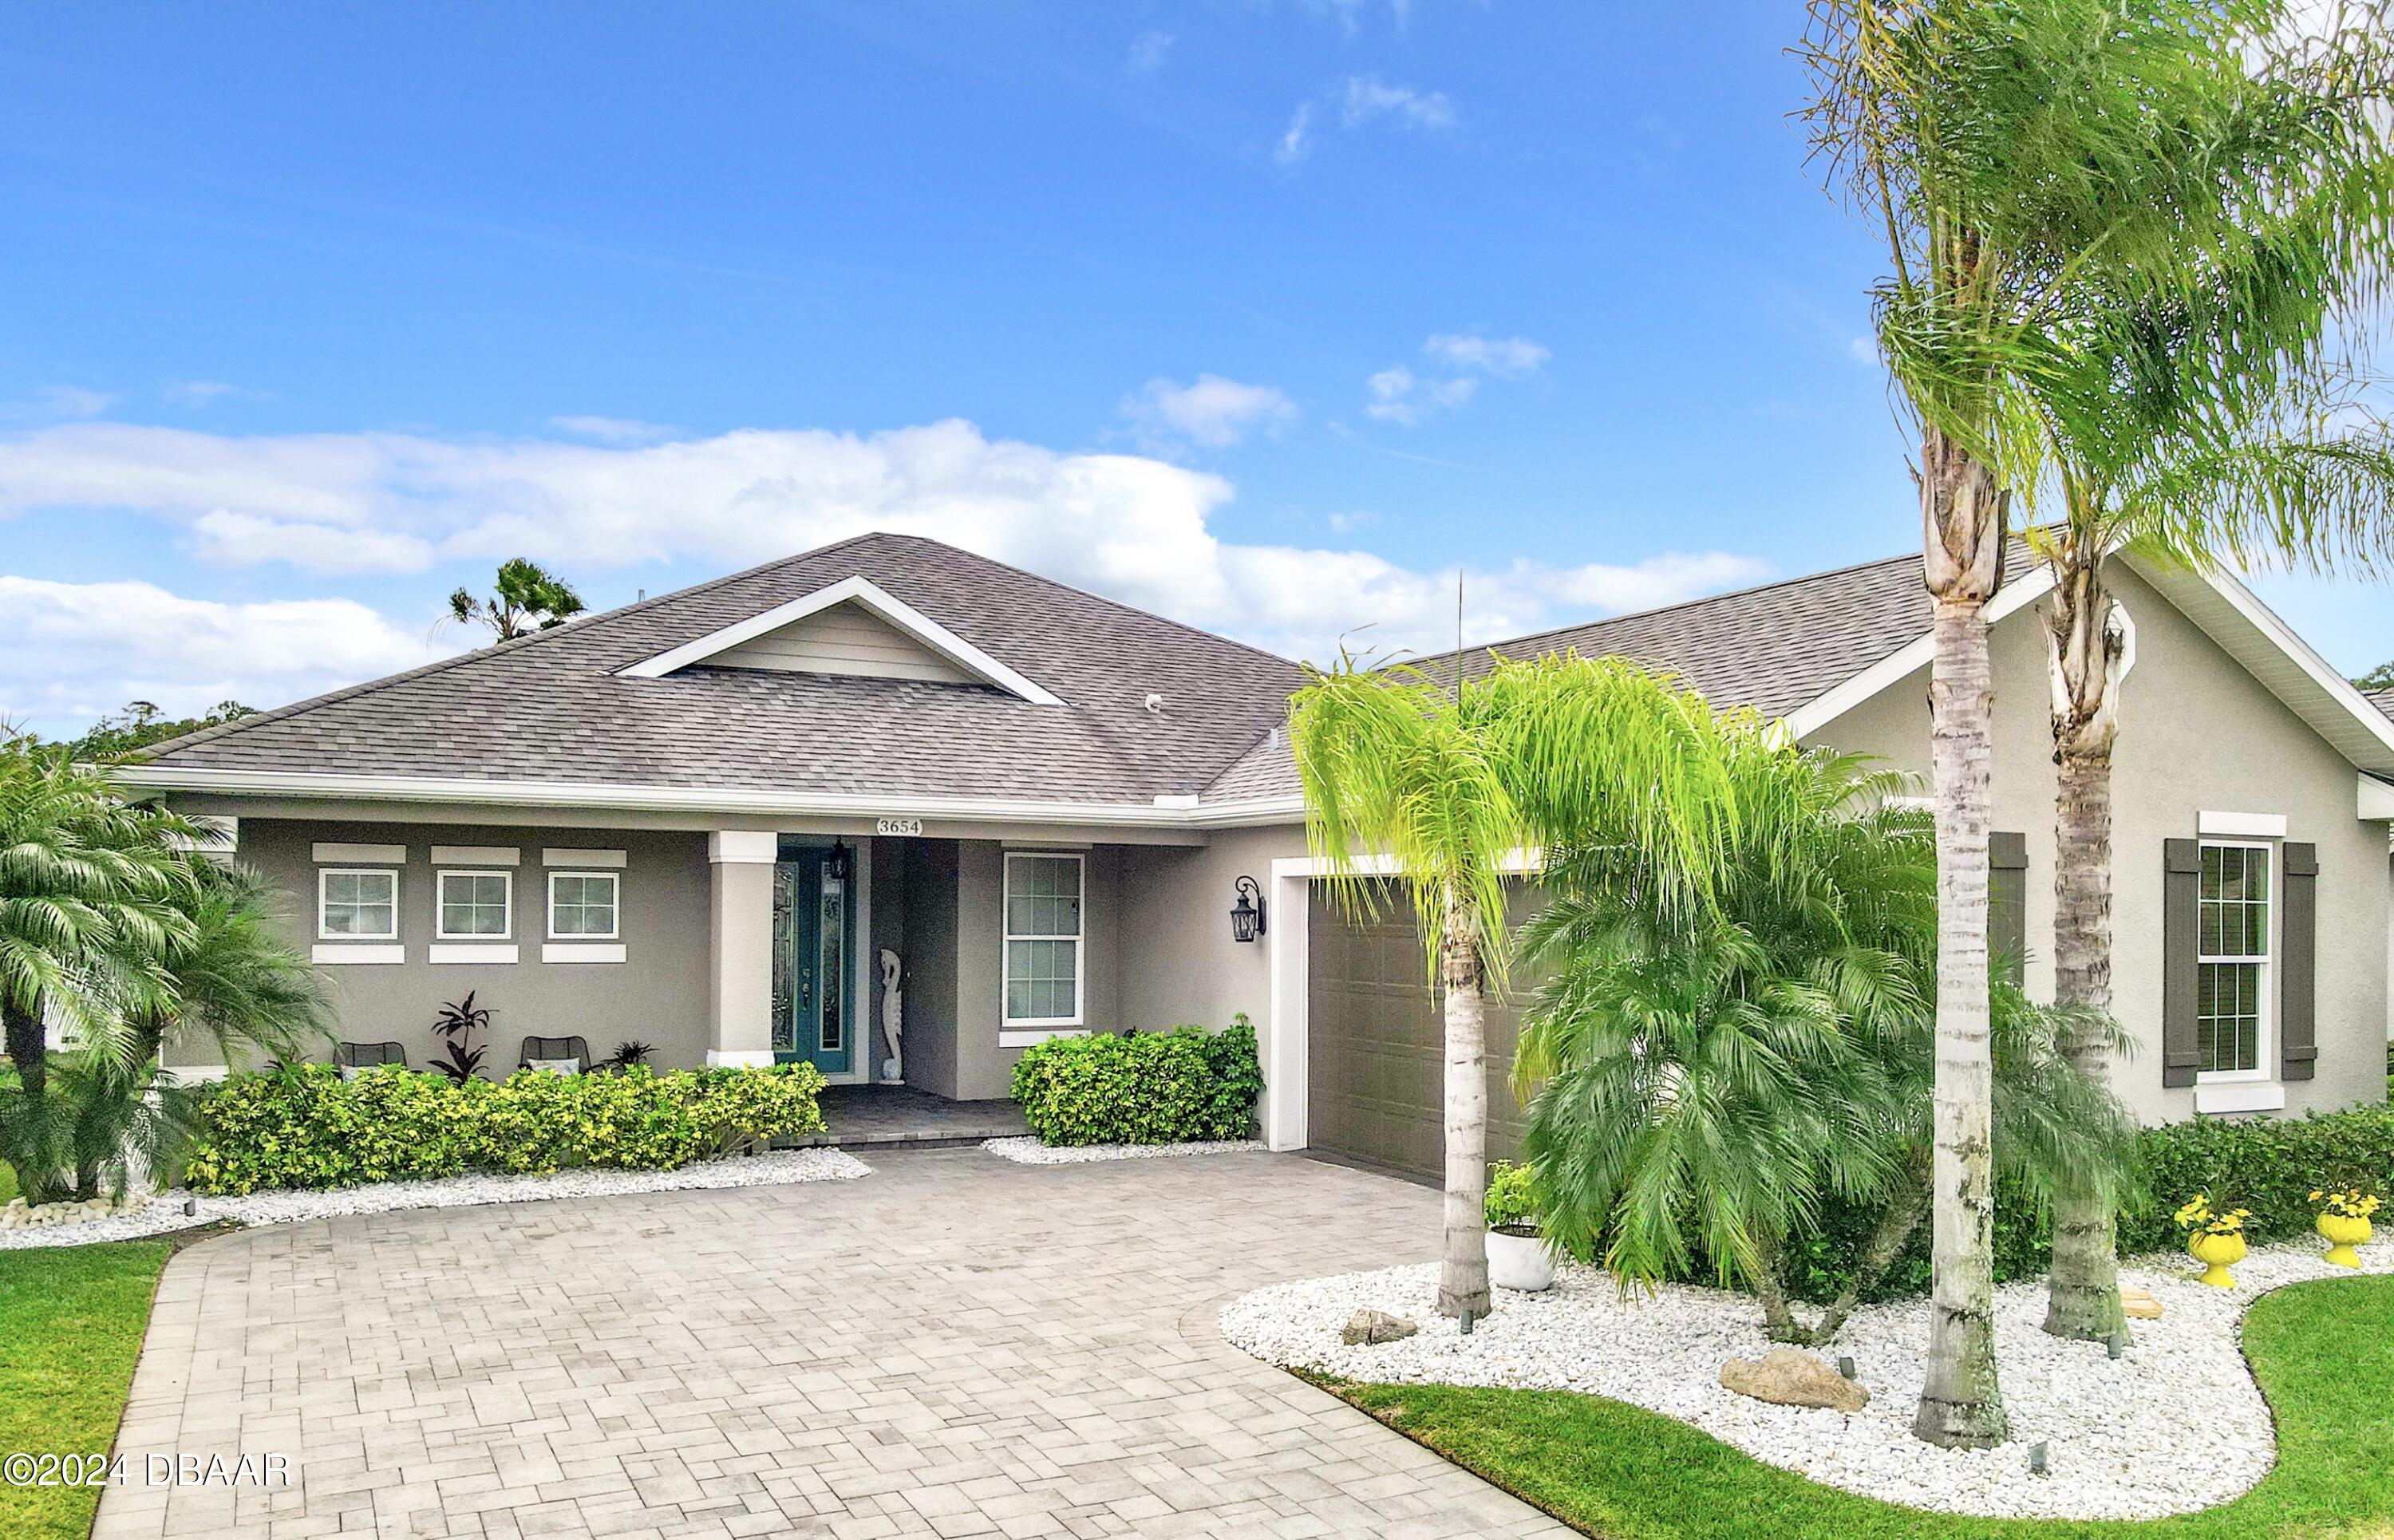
2191	412
1435	793
92	905
2006	151
526	598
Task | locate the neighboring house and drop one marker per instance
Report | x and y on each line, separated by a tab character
698	821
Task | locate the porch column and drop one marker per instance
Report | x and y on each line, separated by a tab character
740	947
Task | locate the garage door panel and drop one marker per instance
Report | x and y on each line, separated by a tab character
1375	1041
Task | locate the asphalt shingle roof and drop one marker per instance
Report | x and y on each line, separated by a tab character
1774	647
550	707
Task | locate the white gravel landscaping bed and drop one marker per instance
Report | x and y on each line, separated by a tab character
1030	1151
166	1211
2178	1424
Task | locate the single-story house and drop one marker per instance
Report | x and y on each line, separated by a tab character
707	821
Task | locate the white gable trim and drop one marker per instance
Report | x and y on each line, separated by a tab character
869	596
1899	664
2224	610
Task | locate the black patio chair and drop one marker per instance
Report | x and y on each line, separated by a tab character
367	1056
551	1049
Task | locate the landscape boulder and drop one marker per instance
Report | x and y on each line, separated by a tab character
1786	1378
1373	1326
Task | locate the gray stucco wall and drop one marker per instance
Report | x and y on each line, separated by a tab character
982	1065
2197	733
658	993
930	1001
1183	966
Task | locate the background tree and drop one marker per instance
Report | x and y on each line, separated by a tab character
526	598
2379	678
141	724
2006	151
1416	790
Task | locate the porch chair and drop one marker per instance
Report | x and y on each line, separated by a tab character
349	1057
552	1052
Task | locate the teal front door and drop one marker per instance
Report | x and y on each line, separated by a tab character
811	915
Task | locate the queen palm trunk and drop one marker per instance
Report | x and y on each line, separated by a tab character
1463	1270
1964	515
2083	1295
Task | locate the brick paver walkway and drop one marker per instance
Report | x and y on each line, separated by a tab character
955	1346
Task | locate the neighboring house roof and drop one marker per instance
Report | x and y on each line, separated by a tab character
556	708
2383	700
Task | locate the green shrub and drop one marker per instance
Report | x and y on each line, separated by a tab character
1142	1087
2269	1165
304	1126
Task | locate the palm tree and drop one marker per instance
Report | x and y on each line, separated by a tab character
1413	788
92	895
234	977
2191	413
529	598
2007	152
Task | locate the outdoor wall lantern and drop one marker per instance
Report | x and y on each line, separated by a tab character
836	867
1247	915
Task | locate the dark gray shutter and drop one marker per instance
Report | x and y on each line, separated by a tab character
2008	906
2181	892
2299	972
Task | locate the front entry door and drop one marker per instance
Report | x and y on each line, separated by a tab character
811	956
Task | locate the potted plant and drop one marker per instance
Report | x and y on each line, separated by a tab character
2344	1223
1518	1257
2216	1239
457	1024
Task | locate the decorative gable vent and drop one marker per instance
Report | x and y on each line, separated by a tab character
852	627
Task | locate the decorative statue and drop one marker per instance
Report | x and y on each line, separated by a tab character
892	1016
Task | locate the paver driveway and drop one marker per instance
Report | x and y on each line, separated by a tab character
953	1346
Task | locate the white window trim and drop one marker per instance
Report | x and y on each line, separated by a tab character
614	885
2265	1035
323	872
440	931
1044	1026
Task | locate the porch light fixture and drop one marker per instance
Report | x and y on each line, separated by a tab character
836	867
1247	915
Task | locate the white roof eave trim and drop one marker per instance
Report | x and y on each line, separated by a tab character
2223	609
623	796
869	595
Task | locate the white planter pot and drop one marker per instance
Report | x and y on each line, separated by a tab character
1519	1262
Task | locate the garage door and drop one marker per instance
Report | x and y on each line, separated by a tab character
1374	1036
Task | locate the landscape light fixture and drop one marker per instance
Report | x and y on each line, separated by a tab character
1247	915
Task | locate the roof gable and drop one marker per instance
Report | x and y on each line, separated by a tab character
804	635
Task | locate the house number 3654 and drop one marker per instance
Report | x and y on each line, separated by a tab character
898	828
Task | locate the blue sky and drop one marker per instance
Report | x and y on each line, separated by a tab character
1273	316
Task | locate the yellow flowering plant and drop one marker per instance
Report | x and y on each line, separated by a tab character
2198	1218
2350	1204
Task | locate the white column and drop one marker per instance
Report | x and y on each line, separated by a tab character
1287	930
740	976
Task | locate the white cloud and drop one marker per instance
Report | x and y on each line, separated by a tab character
206	392
1212	412
1504	357
54	402
1133	527
1399	395
1863	351
1366	98
1360	101
71	651
1148	52
612	430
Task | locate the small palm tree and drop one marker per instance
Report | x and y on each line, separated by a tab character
93	893
528	597
1435	794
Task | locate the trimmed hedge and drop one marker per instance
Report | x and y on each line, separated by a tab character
2269	1165
304	1127
1136	1087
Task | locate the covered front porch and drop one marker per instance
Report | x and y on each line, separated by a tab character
856	1116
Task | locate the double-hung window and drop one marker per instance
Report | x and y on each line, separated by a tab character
582	906
1043	940
476	906
357	904
2234	953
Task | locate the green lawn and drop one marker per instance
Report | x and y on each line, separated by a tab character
2323	1352
70	1325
